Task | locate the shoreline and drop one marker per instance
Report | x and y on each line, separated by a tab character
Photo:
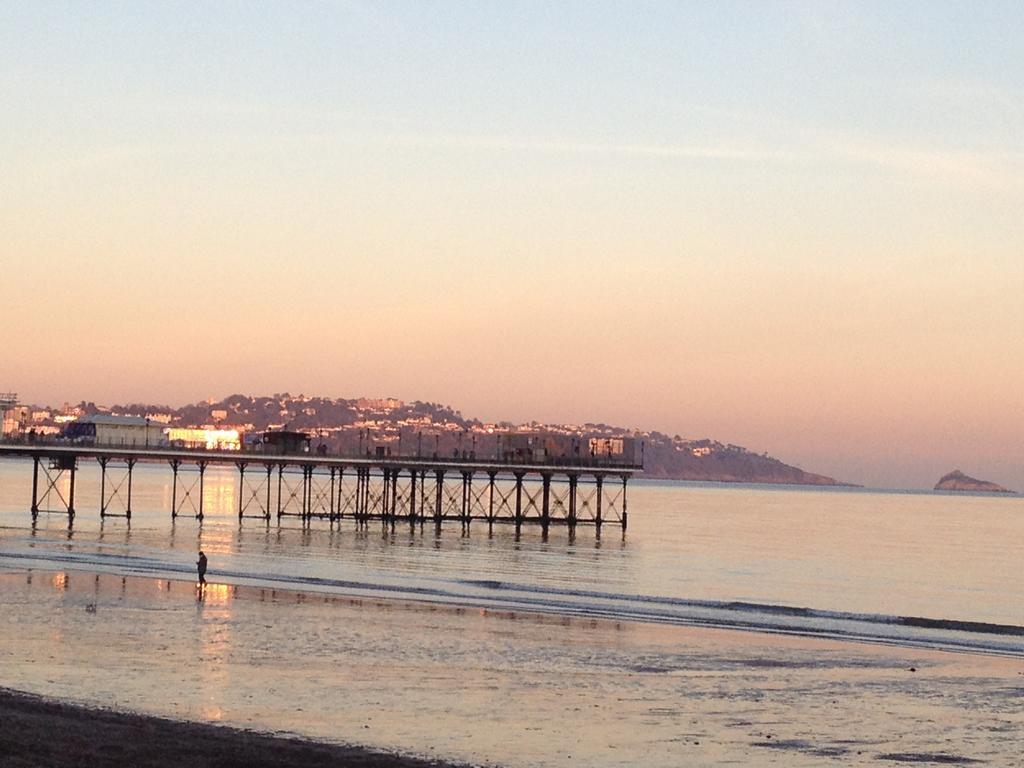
44	732
96	665
242	587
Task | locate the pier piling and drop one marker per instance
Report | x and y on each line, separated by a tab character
385	488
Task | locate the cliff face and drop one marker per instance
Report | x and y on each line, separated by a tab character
958	481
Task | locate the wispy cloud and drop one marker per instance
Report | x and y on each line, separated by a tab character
627	149
800	147
992	170
989	170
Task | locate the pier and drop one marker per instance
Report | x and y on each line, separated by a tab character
314	486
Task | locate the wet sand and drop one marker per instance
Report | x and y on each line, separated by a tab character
40	733
476	686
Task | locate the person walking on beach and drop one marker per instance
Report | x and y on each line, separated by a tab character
201	565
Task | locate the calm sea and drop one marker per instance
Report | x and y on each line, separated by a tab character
924	569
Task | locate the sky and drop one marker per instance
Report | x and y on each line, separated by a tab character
797	227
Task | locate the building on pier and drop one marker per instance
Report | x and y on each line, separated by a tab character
284	441
123	431
203	437
544	447
627	450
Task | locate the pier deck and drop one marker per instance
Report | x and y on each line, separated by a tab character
391	489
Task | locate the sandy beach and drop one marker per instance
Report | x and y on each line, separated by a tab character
466	686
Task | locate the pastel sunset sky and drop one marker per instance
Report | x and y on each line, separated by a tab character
794	226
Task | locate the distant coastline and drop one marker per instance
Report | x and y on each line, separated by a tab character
781	484
710	461
354	426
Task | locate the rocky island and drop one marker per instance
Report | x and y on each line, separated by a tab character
958	481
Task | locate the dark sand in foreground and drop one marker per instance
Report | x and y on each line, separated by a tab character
36	732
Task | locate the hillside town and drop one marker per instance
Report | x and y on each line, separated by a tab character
388	426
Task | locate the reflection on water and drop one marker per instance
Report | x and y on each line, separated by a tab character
215	540
213	602
213	596
219	494
895	554
120	532
506	688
